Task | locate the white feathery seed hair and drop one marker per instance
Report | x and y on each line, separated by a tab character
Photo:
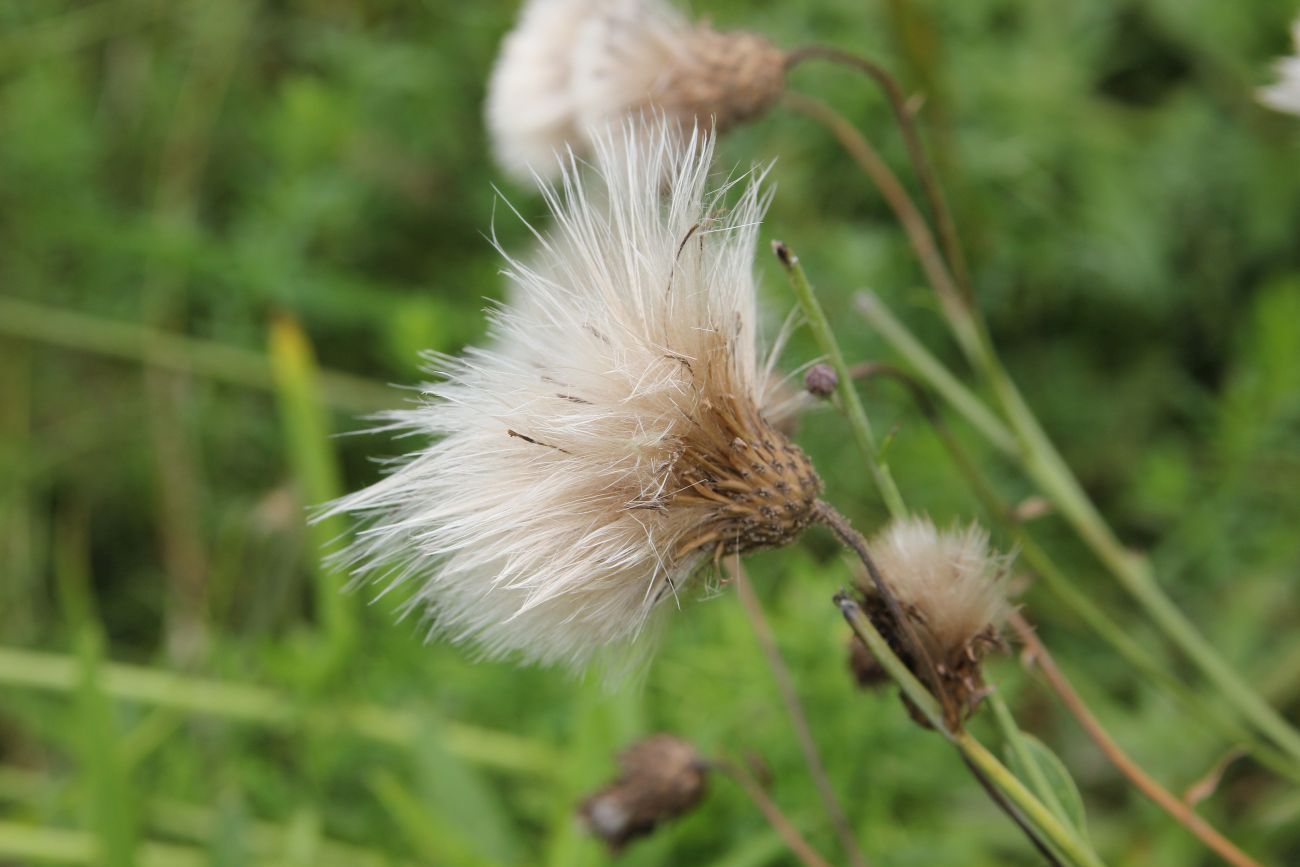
949	581
531	111
618	434
1284	95
571	68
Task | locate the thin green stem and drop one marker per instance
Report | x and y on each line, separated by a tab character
933	371
1064	839
850	403
1014	737
31	845
193	824
79	332
310	449
1050	471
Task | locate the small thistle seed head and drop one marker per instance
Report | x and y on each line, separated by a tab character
950	587
821	380
662	777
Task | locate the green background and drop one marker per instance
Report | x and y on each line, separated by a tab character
194	196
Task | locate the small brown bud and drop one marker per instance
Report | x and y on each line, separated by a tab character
821	380
663	777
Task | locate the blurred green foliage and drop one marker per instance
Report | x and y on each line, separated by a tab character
223	170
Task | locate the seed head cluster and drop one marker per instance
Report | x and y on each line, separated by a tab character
618	435
571	68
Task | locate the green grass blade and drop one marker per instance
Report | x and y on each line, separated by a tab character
126	341
314	463
459	793
435	840
264	706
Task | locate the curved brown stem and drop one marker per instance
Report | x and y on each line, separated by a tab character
794	708
899	200
915	150
801	848
1179	811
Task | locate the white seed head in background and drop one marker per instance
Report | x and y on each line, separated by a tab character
949	582
570	68
619	434
1285	94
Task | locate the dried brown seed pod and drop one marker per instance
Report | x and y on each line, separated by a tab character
662	777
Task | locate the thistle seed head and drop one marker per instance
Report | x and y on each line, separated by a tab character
729	77
618	433
571	68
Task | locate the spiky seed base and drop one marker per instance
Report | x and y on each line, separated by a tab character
760	490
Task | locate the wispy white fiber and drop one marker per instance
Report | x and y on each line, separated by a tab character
950	580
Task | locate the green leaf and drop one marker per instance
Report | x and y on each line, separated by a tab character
112	809
1050	771
434	837
464	797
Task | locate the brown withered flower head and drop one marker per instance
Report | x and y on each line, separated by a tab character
662	777
950	586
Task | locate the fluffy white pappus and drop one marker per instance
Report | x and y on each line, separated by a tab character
573	477
572	68
950	582
531	109
1284	95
